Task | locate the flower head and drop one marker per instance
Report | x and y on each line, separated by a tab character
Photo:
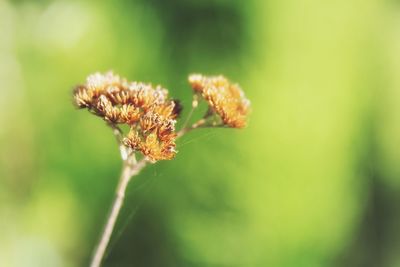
148	111
223	97
155	137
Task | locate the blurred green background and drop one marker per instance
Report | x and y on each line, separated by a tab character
312	181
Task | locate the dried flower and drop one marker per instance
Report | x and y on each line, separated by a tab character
155	137
147	110
151	115
224	98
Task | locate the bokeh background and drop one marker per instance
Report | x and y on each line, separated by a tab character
312	181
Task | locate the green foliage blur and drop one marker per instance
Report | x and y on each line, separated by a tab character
312	181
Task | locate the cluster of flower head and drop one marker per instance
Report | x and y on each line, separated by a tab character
148	111
151	115
224	98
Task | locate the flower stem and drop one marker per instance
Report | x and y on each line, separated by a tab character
199	124
195	103
130	168
128	171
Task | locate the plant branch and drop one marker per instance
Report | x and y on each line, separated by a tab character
128	171
195	104
202	123
130	168
119	136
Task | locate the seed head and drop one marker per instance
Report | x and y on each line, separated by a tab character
224	98
155	137
148	111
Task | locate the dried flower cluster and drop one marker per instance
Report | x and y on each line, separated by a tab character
151	115
148	111
223	97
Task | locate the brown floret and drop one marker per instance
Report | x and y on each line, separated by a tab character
147	110
155	137
224	98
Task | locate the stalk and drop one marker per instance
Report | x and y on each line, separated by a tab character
130	168
128	171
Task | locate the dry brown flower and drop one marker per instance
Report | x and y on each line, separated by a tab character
155	137
148	111
224	98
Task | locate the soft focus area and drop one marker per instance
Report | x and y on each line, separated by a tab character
313	180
